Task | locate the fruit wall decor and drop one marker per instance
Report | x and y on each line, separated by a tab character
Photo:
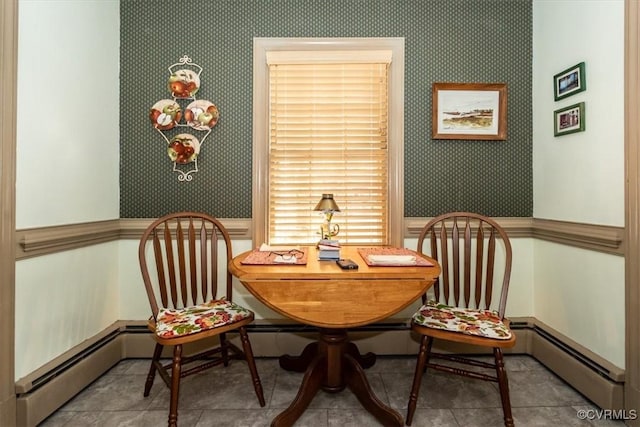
184	121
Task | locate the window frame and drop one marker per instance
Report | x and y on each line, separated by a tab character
260	161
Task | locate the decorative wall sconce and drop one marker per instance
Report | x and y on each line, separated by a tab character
328	206
168	116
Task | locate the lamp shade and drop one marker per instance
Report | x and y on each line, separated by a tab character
327	204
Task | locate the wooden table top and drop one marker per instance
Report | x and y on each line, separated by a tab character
322	294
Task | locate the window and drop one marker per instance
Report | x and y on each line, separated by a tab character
328	118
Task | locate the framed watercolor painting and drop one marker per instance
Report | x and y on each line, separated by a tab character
569	82
569	120
469	111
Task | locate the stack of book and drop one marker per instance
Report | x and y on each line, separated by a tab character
328	249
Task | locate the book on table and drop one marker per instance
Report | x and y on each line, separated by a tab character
328	249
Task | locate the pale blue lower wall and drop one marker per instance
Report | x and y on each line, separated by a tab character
61	300
65	298
581	294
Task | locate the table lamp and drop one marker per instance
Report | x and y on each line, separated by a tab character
328	206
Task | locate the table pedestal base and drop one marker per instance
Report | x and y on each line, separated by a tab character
333	363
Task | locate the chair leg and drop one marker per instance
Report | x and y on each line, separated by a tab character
504	387
175	385
152	370
426	360
224	349
423	357
248	352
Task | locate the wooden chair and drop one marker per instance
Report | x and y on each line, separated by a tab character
183	256
467	247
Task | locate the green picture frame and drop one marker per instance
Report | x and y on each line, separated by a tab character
569	82
569	119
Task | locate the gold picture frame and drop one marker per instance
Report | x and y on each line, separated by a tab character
469	111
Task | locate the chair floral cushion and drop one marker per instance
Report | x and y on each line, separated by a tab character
172	323
482	323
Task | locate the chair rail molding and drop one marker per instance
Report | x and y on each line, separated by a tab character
602	238
41	241
46	240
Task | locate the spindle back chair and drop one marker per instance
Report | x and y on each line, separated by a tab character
468	301
183	259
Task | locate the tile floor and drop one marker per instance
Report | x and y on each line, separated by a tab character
226	398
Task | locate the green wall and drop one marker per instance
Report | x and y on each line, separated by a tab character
445	41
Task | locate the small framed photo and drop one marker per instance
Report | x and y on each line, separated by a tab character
469	111
569	120
569	82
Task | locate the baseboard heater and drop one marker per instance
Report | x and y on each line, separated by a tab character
589	363
42	393
300	329
69	363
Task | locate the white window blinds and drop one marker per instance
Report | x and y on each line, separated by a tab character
328	123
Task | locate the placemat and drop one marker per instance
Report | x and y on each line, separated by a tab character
365	252
258	257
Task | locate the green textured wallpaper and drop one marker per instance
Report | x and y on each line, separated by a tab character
487	41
